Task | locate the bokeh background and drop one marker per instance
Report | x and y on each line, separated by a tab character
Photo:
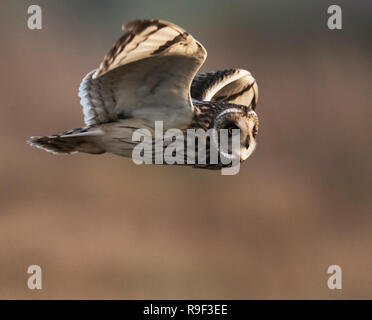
103	227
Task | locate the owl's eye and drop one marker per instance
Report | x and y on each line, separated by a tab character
230	127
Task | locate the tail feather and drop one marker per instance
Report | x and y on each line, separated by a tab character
77	140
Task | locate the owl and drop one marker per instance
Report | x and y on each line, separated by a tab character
150	75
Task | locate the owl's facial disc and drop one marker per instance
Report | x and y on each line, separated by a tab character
247	123
249	145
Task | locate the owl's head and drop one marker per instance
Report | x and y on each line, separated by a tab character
244	120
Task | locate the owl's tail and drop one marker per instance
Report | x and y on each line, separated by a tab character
77	140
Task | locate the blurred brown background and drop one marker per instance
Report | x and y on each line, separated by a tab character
102	227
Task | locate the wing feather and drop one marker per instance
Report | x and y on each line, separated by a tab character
230	85
146	75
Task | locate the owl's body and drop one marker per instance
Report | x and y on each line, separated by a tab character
150	75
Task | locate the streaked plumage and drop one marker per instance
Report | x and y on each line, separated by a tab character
149	75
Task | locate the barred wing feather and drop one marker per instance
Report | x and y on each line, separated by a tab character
230	85
146	75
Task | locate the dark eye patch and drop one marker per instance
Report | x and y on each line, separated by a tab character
230	126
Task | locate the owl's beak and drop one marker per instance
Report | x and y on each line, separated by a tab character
246	142
248	148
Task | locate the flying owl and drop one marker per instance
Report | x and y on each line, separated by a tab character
150	75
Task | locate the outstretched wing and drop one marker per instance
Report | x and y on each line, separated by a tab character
146	75
230	85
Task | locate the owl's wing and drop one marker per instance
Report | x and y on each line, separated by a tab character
230	85
146	75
